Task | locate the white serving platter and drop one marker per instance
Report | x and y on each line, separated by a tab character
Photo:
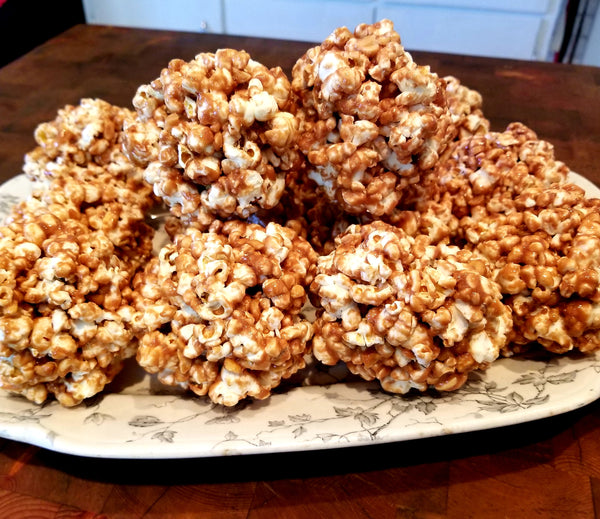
138	418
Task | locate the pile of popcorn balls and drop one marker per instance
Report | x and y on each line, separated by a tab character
365	188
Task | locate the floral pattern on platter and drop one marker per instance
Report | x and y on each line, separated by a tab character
139	418
139	422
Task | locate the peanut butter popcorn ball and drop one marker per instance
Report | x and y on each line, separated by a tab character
227	136
405	312
372	119
220	310
545	252
65	314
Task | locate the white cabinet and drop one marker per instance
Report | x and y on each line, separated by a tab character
521	29
303	20
176	15
497	28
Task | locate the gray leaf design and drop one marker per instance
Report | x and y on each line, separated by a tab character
231	436
562	378
228	418
300	418
366	418
299	431
400	406
344	412
164	436
426	407
97	418
515	398
145	421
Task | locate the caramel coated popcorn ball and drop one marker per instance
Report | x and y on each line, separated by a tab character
372	119
492	169
405	312
220	311
85	143
79	135
507	198
546	260
65	314
226	138
488	170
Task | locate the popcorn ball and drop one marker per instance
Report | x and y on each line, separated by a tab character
372	119
226	136
220	310
85	143
546	260
410	314
505	197
88	132
487	170
65	314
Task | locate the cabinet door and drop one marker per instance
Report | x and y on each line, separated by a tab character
459	30
176	15
300	20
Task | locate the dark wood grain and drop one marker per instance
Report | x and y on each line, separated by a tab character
546	469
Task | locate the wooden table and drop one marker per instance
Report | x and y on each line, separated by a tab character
549	468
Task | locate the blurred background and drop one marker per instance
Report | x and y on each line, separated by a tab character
545	30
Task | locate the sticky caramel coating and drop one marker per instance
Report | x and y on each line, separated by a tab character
84	143
465	105
220	311
405	312
307	212
372	119
140	139
87	132
546	262
65	314
488	170
226	139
